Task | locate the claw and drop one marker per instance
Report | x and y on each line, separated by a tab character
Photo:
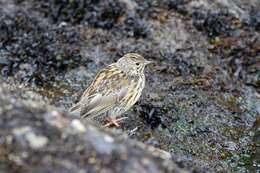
115	122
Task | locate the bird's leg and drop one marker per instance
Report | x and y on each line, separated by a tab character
113	121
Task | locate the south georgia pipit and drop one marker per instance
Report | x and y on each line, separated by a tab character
114	90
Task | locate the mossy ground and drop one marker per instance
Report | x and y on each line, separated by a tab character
201	101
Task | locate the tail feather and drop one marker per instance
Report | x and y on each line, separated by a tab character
74	108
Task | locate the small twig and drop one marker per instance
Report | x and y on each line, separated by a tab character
132	132
151	113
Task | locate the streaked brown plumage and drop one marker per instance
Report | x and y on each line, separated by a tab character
115	89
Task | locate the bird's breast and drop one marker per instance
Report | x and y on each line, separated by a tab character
134	92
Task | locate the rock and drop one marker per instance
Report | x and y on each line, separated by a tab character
35	141
205	50
42	139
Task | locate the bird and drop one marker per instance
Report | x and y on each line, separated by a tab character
115	89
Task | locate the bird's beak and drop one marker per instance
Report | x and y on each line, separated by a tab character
149	62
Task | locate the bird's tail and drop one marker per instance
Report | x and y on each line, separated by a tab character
75	108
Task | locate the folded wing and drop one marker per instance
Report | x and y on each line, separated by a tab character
107	90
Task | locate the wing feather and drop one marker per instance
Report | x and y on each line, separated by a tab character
109	87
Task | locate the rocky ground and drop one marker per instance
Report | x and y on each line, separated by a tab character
201	102
38	138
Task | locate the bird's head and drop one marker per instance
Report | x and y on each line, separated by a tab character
133	63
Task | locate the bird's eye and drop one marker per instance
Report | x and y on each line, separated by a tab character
137	63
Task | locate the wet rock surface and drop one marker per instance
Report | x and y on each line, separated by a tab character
201	102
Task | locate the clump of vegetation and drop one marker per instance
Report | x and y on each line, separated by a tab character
34	52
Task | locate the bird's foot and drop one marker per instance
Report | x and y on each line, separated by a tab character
113	121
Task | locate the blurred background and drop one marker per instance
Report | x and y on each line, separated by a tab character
201	102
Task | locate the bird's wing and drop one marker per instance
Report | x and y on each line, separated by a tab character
109	87
102	103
